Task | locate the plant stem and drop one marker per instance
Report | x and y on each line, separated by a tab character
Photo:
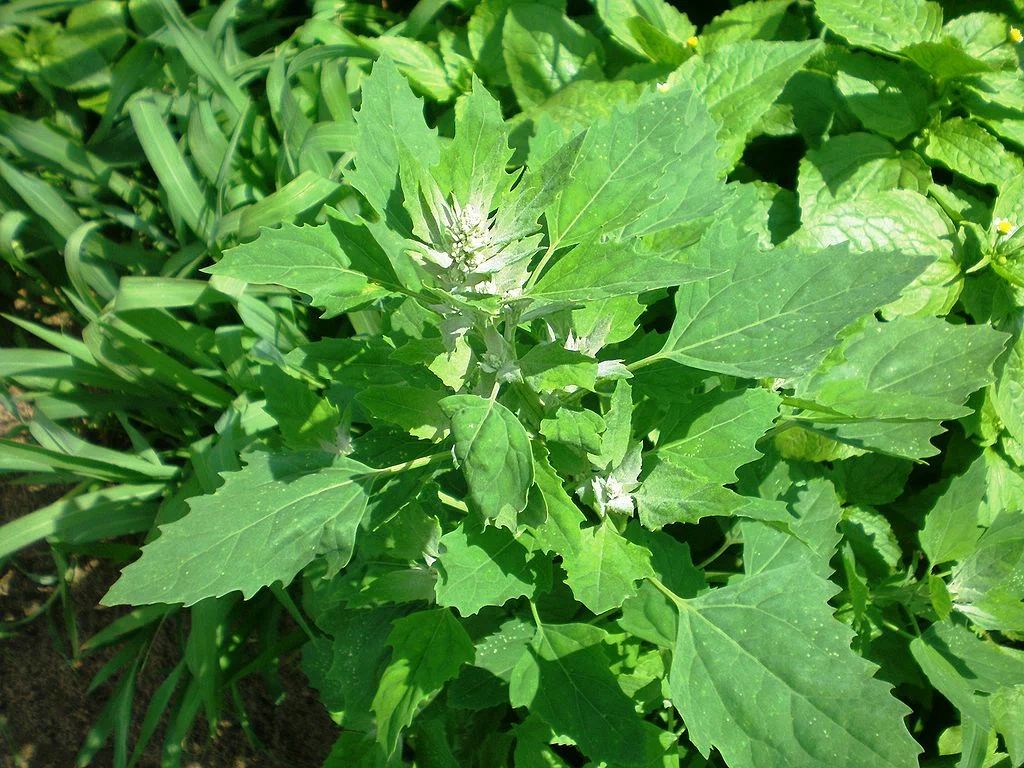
679	602
423	461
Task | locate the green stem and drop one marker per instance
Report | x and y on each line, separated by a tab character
645	361
423	461
679	602
535	275
716	554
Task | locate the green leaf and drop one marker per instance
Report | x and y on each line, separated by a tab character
345	665
740	82
306	419
429	648
604	570
812	535
393	141
472	166
747	21
265	524
776	313
772	637
481	568
550	367
619	16
567	681
579	429
987	584
414	409
908	368
638	168
714	435
493	450
966	148
595	270
950	529
900	221
306	259
560	532
1007	708
853	166
545	51
889	98
965	669
671	494
885	25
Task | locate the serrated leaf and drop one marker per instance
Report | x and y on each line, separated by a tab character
345	665
886	25
629	166
595	270
604	570
306	259
1007	708
393	143
550	367
740	82
811	538
566	680
617	15
900	221
965	669
414	409
429	647
776	313
988	585
671	494
950	529
855	165
966	148
544	51
472	166
908	368
714	435
889	98
493	451
579	429
772	637
306	419
265	524
481	568
560	531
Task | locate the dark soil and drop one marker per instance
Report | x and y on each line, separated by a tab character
45	709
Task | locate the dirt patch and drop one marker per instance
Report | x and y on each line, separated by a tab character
46	710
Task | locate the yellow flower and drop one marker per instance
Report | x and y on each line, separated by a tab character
692	40
1016	36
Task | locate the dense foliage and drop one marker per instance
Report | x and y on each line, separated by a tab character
601	385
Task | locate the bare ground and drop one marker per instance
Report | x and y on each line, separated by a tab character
46	710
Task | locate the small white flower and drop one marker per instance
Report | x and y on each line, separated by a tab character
663	87
1005	229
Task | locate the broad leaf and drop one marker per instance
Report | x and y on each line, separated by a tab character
566	680
480	568
772	638
776	313
886	25
493	451
429	647
909	368
604	570
306	259
265	524
950	529
740	82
